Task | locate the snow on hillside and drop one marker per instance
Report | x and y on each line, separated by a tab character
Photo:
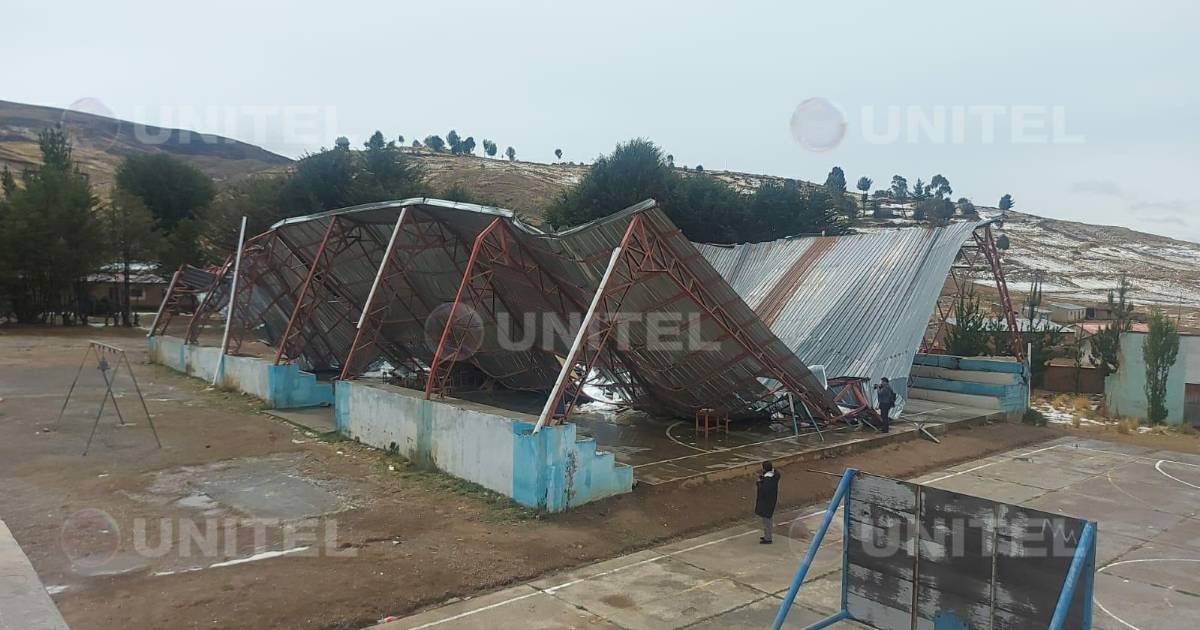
1082	262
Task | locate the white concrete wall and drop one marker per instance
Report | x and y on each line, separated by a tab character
473	445
380	418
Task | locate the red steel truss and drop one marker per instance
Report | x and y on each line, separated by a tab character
390	291
981	254
641	252
342	242
213	295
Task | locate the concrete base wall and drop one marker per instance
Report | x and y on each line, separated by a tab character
985	382
551	470
1125	391
280	386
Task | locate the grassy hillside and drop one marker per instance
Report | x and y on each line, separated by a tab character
101	143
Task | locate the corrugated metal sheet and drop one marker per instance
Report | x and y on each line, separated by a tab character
857	304
677	380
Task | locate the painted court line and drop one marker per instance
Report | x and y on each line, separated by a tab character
982	466
554	589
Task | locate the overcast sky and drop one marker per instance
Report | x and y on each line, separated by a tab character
1080	110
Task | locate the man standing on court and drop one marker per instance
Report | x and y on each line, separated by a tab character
887	399
764	502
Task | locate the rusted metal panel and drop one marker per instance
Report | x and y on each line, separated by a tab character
675	380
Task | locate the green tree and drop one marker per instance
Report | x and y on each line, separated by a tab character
400	139
1006	203
899	188
778	210
256	197
468	146
489	147
382	172
511	154
1160	350
1045	344
670	160
966	208
1106	343
319	181
342	142
940	186
864	186
454	142
50	236
8	183
968	337
705	208
172	189
835	182
920	190
1002	242
133	236
558	154
436	143
934	209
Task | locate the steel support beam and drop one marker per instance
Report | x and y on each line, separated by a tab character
208	304
384	293
440	367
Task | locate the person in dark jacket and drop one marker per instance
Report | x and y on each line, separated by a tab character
887	399
764	501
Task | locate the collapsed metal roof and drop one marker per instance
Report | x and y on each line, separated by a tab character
338	255
858	304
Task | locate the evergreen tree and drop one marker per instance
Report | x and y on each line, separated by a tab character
133	236
50	236
511	154
8	183
489	147
899	188
1106	343
454	142
558	154
1006	203
1159	352
172	189
864	186
468	146
435	142
968	337
835	182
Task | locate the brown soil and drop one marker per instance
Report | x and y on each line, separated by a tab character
418	538
1165	439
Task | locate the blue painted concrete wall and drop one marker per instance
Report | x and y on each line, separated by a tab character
1125	391
1007	381
552	470
279	386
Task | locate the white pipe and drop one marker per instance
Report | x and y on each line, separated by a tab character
163	305
233	287
387	255
572	355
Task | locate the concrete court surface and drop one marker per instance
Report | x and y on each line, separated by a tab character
24	602
1145	501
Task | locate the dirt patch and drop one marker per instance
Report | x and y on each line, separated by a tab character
403	540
